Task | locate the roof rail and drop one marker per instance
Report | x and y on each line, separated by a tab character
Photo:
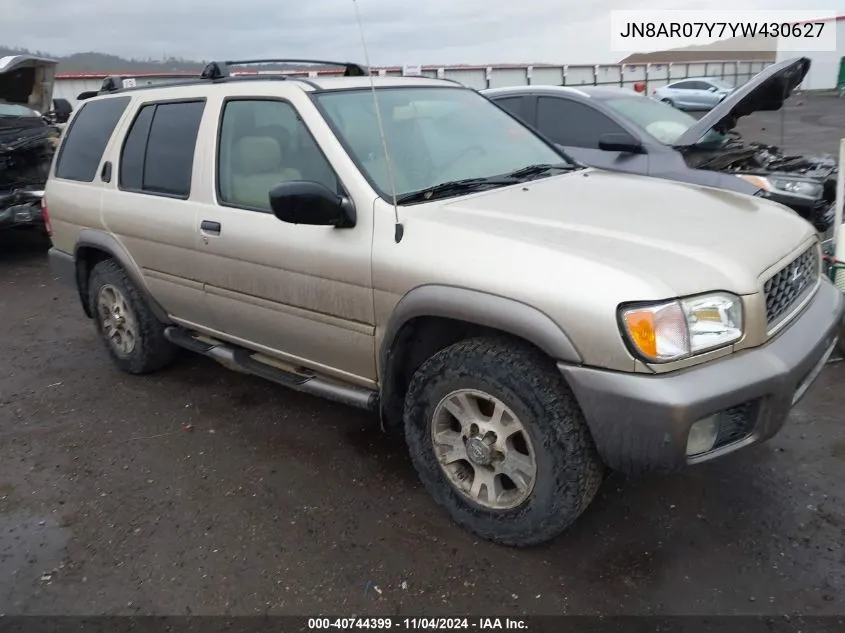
220	70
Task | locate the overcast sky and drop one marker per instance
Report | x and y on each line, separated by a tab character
398	31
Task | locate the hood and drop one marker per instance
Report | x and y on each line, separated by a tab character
677	238
765	91
28	80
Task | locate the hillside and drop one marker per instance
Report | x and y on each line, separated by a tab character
100	62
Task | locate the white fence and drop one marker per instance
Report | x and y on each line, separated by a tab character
654	75
479	77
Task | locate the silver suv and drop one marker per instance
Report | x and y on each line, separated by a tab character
526	321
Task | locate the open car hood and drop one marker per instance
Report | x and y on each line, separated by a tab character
765	91
28	80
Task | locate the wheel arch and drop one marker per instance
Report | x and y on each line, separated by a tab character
92	247
432	317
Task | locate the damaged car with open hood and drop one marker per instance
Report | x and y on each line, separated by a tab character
28	137
618	129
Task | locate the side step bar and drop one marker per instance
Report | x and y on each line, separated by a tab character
242	358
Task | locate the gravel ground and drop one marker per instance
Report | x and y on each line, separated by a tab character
275	502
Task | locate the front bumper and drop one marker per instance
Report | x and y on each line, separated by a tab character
21	208
640	423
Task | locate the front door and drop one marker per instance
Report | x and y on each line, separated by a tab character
302	293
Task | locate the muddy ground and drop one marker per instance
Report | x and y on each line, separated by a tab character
279	503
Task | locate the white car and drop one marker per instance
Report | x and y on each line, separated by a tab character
701	93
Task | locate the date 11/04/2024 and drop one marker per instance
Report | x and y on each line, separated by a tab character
417	624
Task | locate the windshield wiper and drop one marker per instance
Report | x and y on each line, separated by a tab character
454	187
468	185
538	169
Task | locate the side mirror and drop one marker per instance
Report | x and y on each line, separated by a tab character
620	142
712	89
62	110
308	202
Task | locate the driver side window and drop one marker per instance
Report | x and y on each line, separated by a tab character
264	143
573	124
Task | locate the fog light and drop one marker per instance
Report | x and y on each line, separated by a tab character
702	435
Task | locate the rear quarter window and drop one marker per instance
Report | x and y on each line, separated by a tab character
86	138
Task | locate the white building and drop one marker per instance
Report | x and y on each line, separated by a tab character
824	70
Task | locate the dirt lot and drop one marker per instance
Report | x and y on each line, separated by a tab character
281	503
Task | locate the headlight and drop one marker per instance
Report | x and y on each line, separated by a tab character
801	188
673	330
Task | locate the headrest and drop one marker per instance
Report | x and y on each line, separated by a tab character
278	132
257	155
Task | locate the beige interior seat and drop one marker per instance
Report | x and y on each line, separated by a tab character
256	169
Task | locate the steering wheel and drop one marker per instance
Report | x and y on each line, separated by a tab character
471	149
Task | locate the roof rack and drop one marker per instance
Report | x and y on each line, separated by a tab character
220	70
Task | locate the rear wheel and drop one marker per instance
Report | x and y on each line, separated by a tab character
499	441
132	335
668	102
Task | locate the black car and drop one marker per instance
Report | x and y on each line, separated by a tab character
618	129
28	137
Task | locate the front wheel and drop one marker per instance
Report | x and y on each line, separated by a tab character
499	441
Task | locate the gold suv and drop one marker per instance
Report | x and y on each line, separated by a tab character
525	320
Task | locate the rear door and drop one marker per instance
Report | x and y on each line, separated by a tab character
577	127
147	202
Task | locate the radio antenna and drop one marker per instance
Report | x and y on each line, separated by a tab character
399	229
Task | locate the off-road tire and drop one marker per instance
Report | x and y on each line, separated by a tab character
569	470
152	350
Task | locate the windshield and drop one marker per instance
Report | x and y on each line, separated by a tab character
662	121
13	109
434	136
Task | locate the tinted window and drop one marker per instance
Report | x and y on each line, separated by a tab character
87	137
170	148
682	85
514	105
264	143
572	123
134	149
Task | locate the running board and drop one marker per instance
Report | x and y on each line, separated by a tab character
242	359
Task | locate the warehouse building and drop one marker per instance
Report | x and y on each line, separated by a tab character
827	71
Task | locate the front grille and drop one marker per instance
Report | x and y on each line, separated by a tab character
790	284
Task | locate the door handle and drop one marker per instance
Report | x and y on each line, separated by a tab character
208	226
